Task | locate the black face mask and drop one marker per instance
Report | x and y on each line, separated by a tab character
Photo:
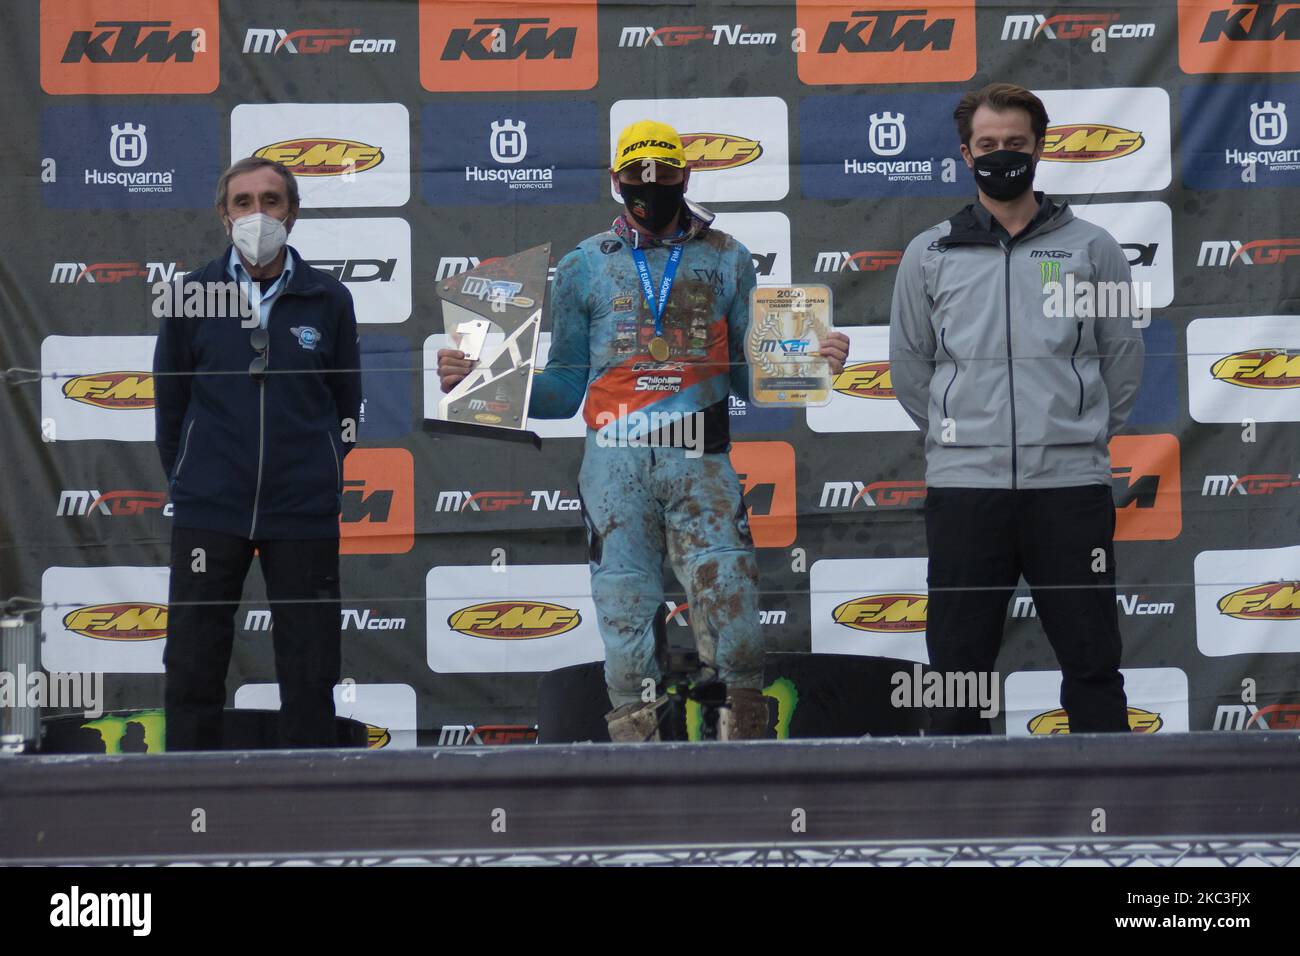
1004	174
652	205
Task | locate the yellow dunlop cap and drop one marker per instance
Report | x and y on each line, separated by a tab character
647	139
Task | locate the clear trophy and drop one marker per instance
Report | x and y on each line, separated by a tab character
508	294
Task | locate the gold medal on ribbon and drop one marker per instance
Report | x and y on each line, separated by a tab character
659	348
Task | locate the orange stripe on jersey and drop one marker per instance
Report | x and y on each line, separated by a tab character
615	391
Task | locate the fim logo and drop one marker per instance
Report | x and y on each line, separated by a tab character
1268	125
509	142
1058	722
887	135
128	146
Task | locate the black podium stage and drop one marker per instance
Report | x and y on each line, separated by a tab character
1147	797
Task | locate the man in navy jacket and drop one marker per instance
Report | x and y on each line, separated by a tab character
254	416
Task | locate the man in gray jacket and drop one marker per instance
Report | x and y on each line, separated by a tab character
1018	389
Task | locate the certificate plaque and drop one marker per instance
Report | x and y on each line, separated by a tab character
786	325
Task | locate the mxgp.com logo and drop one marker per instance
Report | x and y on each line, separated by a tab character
1073	26
307	42
492	501
111	273
877	260
847	495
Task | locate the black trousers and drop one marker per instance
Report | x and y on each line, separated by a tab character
302	583
980	542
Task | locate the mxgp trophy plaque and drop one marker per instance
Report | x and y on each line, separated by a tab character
786	325
508	294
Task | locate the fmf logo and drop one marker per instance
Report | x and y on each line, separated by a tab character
1238	36
884	613
129	46
1260	252
1089	143
128	621
514	620
508	46
323	157
1058	722
878	494
866	380
1220	485
1259	368
377	505
1072	26
114	390
706	151
862	43
1275	601
877	260
309	42
719	34
110	273
115	503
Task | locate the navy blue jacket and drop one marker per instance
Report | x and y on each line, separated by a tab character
265	460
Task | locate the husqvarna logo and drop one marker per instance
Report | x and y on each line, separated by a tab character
128	146
888	135
509	142
1268	125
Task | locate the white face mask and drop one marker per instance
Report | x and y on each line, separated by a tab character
259	237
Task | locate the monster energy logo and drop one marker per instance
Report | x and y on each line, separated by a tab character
782	690
1049	272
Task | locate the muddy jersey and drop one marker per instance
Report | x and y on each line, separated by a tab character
602	327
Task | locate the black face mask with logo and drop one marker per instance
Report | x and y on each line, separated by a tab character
1004	174
652	205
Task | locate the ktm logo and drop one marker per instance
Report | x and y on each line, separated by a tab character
1259	368
1276	601
865	380
323	157
884	613
1238	36
1089	143
129	46
883	31
507	46
1058	722
514	620
377	503
719	150
116	390
130	621
886	43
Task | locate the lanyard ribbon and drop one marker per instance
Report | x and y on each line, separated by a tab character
665	286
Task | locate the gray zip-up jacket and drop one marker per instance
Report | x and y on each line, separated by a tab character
1008	394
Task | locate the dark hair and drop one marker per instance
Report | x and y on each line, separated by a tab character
1000	97
247	165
